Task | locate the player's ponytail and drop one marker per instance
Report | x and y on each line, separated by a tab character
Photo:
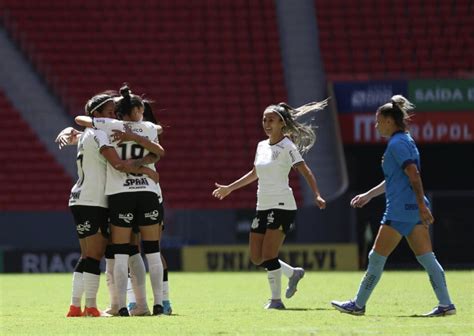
127	102
302	134
399	109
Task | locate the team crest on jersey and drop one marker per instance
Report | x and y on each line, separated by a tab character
275	155
84	227
255	223
270	218
127	218
152	215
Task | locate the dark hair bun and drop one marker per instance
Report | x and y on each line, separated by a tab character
125	91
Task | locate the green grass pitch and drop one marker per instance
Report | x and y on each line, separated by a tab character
231	304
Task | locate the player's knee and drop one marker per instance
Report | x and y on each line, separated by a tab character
271	264
256	260
151	246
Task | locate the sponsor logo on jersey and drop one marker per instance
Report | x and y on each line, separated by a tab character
292	156
270	218
255	223
152	215
130	182
84	227
127	218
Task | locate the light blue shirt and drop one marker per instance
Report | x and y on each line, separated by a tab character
400	198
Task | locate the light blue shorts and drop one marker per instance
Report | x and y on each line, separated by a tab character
404	228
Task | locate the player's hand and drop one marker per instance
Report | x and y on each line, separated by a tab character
120	136
155	176
221	192
320	202
360	200
426	217
67	136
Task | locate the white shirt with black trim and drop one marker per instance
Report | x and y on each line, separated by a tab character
91	170
118	182
273	164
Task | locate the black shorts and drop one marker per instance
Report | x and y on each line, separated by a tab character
161	210
134	209
89	219
274	219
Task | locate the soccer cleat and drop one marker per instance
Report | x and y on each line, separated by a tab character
74	311
92	312
441	311
275	304
348	307
167	307
123	312
112	311
157	309
298	274
139	311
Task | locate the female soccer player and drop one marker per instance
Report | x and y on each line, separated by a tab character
132	198
88	203
407	210
276	206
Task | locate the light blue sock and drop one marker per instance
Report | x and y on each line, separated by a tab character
371	278
437	278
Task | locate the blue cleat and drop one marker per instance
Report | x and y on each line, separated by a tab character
275	304
167	307
298	274
441	311
348	307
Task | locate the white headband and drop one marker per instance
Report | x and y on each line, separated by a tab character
95	108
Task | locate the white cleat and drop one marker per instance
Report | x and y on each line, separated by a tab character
298	274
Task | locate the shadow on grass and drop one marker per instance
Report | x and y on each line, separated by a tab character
307	309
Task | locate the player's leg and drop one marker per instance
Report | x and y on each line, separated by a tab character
167	310
96	240
271	246
137	305
151	247
78	283
385	242
420	243
109	276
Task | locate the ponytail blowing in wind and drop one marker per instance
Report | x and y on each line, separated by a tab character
302	134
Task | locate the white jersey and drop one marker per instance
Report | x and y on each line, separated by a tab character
91	170
118	182
273	164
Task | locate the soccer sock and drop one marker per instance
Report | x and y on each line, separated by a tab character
91	277
155	266
371	278
286	269
437	277
138	279
166	290
130	294
121	278
109	276
77	283
274	277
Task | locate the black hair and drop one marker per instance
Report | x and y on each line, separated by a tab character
148	112
127	102
97	103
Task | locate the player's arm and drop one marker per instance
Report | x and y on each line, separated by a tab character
308	175
68	136
362	199
223	190
151	146
84	121
112	157
411	170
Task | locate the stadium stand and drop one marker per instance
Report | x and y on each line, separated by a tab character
30	178
211	66
391	39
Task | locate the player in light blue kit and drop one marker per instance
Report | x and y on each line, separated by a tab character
407	212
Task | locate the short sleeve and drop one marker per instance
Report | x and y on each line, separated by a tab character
402	153
106	124
101	139
295	156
